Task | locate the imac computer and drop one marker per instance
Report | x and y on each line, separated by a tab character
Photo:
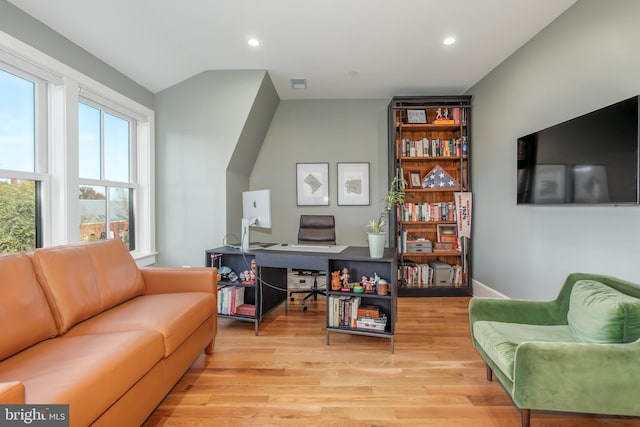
256	212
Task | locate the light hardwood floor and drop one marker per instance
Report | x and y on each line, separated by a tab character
288	376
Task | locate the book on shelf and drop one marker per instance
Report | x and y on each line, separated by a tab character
426	212
436	147
422	276
246	310
229	298
375	324
343	310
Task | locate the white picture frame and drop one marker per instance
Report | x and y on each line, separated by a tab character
353	184
312	184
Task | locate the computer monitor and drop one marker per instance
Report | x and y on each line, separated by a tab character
256	212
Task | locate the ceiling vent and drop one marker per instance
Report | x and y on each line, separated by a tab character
299	83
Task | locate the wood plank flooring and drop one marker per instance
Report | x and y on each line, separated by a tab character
288	376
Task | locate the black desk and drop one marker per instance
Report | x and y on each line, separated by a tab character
271	290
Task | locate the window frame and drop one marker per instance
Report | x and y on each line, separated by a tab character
39	172
57	148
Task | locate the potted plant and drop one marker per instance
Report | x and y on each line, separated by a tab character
393	197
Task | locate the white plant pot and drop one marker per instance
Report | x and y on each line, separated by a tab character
376	244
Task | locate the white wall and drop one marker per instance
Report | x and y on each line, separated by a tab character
199	124
588	58
322	131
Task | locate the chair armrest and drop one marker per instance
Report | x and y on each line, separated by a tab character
11	393
168	280
578	377
515	311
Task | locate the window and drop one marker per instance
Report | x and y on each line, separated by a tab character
76	157
21	120
106	144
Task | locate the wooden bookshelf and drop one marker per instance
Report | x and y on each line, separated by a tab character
415	149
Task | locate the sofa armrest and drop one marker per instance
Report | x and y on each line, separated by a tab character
578	377
515	311
11	393
168	280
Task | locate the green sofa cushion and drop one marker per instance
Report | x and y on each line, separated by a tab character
499	340
599	313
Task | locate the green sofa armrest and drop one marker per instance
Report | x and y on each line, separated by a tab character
12	393
578	377
515	311
158	280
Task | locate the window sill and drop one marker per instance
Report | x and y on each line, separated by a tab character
144	259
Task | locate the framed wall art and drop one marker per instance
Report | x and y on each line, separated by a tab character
416	116
415	179
353	184
312	184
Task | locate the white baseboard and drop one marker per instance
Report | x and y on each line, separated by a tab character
482	290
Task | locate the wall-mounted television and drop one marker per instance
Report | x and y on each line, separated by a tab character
589	160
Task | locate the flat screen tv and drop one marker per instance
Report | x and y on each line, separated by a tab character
588	160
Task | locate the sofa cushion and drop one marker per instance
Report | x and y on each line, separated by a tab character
600	313
83	280
24	312
499	340
88	372
175	316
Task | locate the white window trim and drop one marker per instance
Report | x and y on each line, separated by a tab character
62	224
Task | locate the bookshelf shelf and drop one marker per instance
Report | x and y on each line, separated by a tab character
264	299
346	309
416	150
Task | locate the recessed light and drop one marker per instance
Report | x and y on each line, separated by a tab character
253	42
449	40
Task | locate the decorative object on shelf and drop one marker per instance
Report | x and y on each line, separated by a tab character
382	287
312	184
416	116
447	234
439	178
442	117
353	184
415	180
393	197
344	277
357	289
335	280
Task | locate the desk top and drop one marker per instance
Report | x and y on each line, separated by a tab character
348	253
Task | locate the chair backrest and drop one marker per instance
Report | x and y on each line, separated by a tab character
317	229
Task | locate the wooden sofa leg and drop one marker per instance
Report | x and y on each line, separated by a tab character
525	416
209	348
489	373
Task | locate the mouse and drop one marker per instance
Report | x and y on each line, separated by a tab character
285	244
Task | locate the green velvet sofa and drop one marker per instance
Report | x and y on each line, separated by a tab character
577	353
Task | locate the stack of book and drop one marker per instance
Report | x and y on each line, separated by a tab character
343	311
229	299
371	317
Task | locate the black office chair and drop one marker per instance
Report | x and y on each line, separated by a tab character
315	230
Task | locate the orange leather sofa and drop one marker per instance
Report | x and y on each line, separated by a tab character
83	325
